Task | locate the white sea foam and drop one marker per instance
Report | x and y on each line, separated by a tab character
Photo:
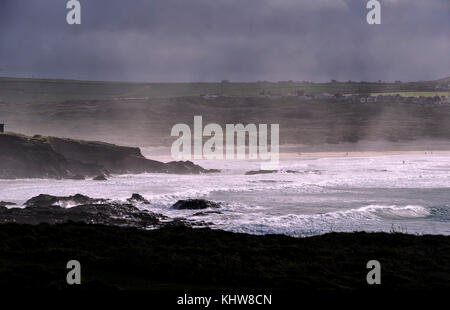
297	225
325	194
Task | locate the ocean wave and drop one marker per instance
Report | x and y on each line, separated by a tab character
396	212
301	225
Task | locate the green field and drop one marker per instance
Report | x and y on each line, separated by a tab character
47	90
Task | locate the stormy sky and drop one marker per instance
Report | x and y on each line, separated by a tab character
238	40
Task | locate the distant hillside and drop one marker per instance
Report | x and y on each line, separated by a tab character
46	90
140	114
444	83
149	122
444	80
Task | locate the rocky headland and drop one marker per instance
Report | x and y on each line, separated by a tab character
60	158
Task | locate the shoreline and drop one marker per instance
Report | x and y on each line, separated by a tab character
325	154
360	149
367	154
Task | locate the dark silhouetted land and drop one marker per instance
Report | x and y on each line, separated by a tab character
181	258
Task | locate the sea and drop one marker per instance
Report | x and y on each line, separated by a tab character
308	196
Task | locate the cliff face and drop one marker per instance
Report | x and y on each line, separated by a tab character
50	157
113	158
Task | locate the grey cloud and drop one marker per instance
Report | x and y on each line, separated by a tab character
240	40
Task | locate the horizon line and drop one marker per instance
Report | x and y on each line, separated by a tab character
331	81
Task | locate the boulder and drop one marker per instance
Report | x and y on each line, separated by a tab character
6	203
137	198
49	200
195	204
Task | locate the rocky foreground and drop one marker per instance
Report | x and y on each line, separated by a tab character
79	208
59	158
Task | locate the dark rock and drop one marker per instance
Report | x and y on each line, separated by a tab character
100	178
176	223
48	209
58	158
137	198
118	159
195	204
25	157
187	167
6	203
116	214
44	209
253	172
49	200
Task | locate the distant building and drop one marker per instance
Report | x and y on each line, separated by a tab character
2	128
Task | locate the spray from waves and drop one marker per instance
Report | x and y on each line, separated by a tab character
187	190
396	212
304	225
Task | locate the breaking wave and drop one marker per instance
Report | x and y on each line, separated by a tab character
301	225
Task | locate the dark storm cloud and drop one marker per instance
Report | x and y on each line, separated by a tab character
240	40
